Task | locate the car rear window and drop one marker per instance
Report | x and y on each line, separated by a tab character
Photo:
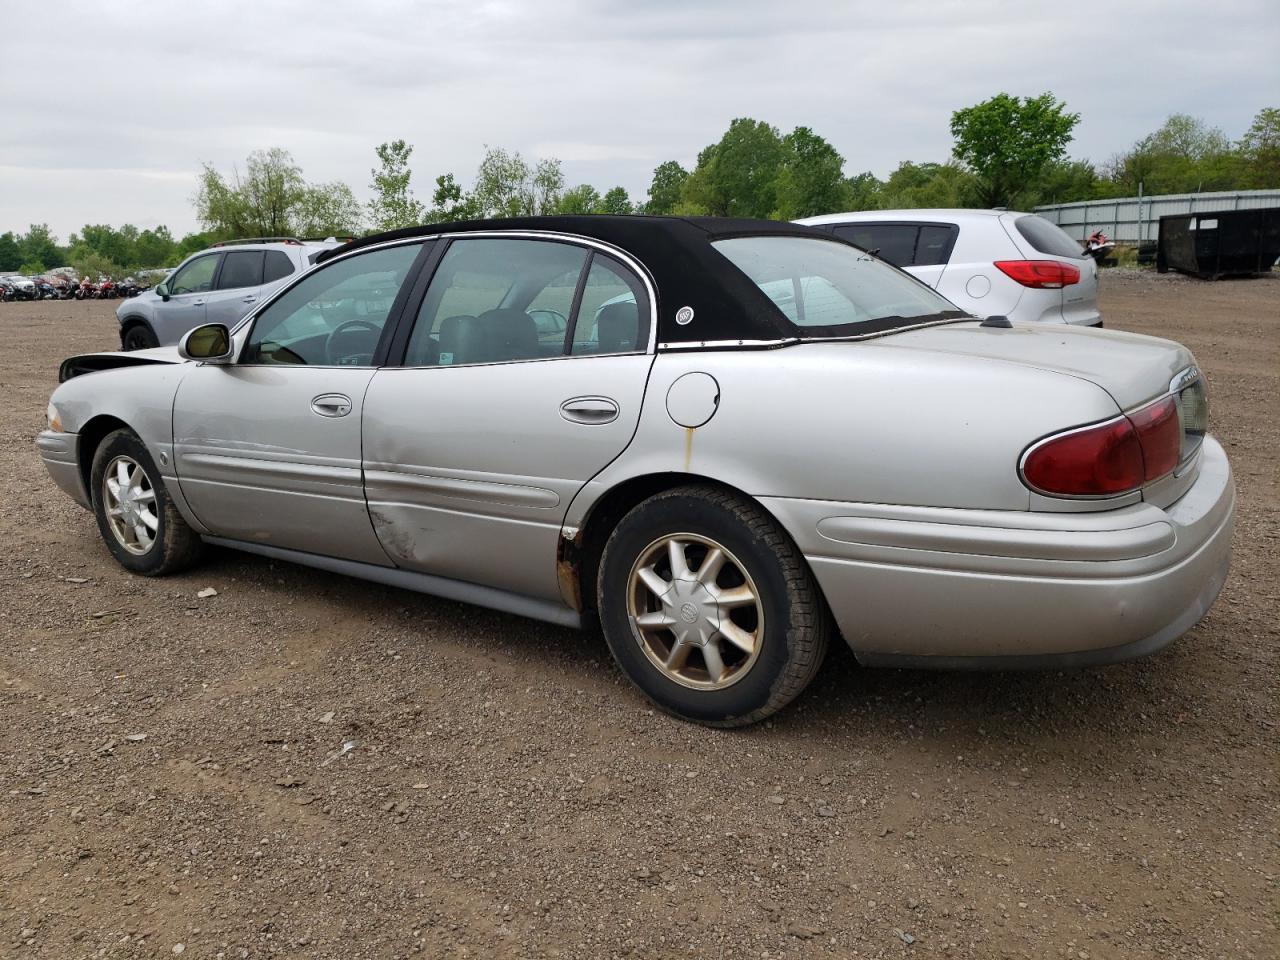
829	289
1047	238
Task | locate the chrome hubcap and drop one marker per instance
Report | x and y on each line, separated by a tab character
695	611
130	502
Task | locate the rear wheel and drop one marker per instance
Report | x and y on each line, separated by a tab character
139	337
709	607
139	523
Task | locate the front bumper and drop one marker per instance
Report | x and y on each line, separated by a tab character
61	455
981	589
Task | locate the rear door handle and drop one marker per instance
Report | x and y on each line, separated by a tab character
249	300
197	303
589	410
331	405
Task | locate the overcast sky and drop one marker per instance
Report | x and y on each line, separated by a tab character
110	108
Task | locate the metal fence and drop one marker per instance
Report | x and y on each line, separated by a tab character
1135	219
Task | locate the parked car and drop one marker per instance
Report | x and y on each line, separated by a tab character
22	288
751	435
218	285
988	262
6	290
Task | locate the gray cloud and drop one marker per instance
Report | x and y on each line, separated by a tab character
114	130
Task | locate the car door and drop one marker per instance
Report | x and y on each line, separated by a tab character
188	295
476	444
267	448
235	288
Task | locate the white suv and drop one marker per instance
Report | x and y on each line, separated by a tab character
987	262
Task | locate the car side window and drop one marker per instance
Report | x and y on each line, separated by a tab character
613	316
334	316
277	266
934	246
494	300
893	242
196	276
240	268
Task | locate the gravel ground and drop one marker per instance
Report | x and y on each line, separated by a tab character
173	781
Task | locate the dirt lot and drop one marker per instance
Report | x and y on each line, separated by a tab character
169	777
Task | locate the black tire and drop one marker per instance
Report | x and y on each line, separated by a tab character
797	625
139	337
175	546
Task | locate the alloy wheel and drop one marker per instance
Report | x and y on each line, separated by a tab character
130	504
695	611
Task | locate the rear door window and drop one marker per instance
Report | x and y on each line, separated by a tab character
277	265
894	242
1047	238
495	300
613	316
933	247
241	268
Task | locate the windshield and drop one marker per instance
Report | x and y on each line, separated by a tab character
831	289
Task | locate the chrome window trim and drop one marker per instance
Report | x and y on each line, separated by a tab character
790	341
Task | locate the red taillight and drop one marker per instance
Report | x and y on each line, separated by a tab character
1111	458
1095	462
1041	274
1161	436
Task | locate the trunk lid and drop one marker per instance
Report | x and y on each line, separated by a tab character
1131	367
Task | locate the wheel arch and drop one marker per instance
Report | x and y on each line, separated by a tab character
91	436
135	320
580	549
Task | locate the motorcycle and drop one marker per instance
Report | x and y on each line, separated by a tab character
87	290
106	288
128	287
1099	246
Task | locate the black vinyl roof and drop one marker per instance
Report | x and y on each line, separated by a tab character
686	269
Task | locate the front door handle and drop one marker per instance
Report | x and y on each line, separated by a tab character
197	303
589	410
331	405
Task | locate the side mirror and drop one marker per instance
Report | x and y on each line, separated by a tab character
210	343
162	289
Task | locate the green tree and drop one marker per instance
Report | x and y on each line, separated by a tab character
1008	142
271	199
1260	150
545	187
580	199
811	180
1184	155
328	210
449	202
737	176
664	190
39	247
500	184
155	247
10	252
616	201
393	205
924	185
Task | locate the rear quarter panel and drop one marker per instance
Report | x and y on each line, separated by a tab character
855	422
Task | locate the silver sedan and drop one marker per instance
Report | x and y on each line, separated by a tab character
723	441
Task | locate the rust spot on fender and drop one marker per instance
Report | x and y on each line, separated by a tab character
569	568
688	448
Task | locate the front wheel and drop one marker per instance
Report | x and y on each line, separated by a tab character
139	523
709	607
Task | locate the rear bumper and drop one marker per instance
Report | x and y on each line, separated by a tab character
60	453
919	586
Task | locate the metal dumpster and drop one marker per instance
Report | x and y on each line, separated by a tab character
1222	244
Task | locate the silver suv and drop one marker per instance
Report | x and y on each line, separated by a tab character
218	285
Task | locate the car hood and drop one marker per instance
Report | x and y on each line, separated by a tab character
1131	367
95	362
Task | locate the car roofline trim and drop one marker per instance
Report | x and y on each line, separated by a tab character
790	341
